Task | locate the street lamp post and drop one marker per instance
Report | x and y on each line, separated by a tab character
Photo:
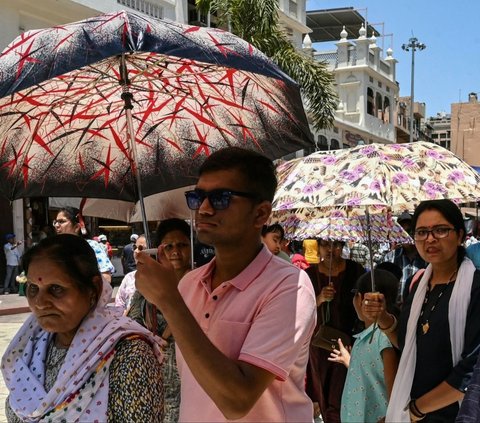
412	45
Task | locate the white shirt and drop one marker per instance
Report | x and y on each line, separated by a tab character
12	255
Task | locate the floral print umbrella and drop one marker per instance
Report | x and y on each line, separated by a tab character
123	106
342	224
396	176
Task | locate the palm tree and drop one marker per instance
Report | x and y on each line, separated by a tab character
257	22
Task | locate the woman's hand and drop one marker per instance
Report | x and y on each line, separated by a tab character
326	294
374	307
342	355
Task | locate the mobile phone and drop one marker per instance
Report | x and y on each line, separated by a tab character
153	252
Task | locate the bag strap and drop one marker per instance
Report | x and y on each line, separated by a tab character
415	279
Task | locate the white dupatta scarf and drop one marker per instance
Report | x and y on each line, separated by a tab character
457	316
80	392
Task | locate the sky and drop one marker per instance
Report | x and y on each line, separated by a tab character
449	68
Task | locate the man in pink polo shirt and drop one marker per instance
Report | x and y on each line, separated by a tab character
243	322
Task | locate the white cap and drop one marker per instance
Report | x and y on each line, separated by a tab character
133	237
102	237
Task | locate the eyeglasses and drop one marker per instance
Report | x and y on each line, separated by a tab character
219	199
437	232
60	221
138	247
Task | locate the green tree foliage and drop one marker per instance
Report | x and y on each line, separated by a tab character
257	22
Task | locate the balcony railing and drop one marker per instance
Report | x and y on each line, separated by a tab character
329	57
143	6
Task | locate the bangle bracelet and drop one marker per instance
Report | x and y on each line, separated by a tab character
392	327
415	411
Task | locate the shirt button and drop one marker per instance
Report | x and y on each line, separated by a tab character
207	315
215	297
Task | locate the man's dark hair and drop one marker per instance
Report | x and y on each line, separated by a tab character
169	225
258	171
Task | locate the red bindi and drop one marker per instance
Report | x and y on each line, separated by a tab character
39	279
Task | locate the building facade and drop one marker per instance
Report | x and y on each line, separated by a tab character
421	126
465	130
441	129
366	88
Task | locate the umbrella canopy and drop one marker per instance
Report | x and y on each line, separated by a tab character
163	205
397	176
123	105
342	224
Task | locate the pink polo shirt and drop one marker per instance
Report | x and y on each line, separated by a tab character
264	316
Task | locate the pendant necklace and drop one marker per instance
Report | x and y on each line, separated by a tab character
426	325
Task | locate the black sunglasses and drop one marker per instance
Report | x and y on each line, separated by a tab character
218	198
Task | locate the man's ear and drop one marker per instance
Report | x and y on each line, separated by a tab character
263	211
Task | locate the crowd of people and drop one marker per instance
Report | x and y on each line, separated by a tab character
266	330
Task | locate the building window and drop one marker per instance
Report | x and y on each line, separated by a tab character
386	110
143	6
379	106
322	144
292	8
370	102
371	79
334	144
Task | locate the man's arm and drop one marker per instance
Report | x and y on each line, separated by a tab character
234	386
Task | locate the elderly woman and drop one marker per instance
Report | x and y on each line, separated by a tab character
70	221
75	359
126	290
174	235
438	332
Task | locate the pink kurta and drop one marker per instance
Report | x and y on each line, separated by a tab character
264	316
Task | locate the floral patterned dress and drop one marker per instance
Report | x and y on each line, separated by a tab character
133	368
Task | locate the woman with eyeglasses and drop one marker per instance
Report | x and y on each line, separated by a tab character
333	279
126	290
70	221
438	331
174	235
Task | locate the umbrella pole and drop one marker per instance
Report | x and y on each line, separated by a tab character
370	249
136	172
127	97
372	276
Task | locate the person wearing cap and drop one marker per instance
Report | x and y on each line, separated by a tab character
406	257
106	245
128	260
12	255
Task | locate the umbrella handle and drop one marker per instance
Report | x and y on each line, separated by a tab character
375	324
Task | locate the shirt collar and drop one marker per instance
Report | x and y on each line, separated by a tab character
366	332
247	275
